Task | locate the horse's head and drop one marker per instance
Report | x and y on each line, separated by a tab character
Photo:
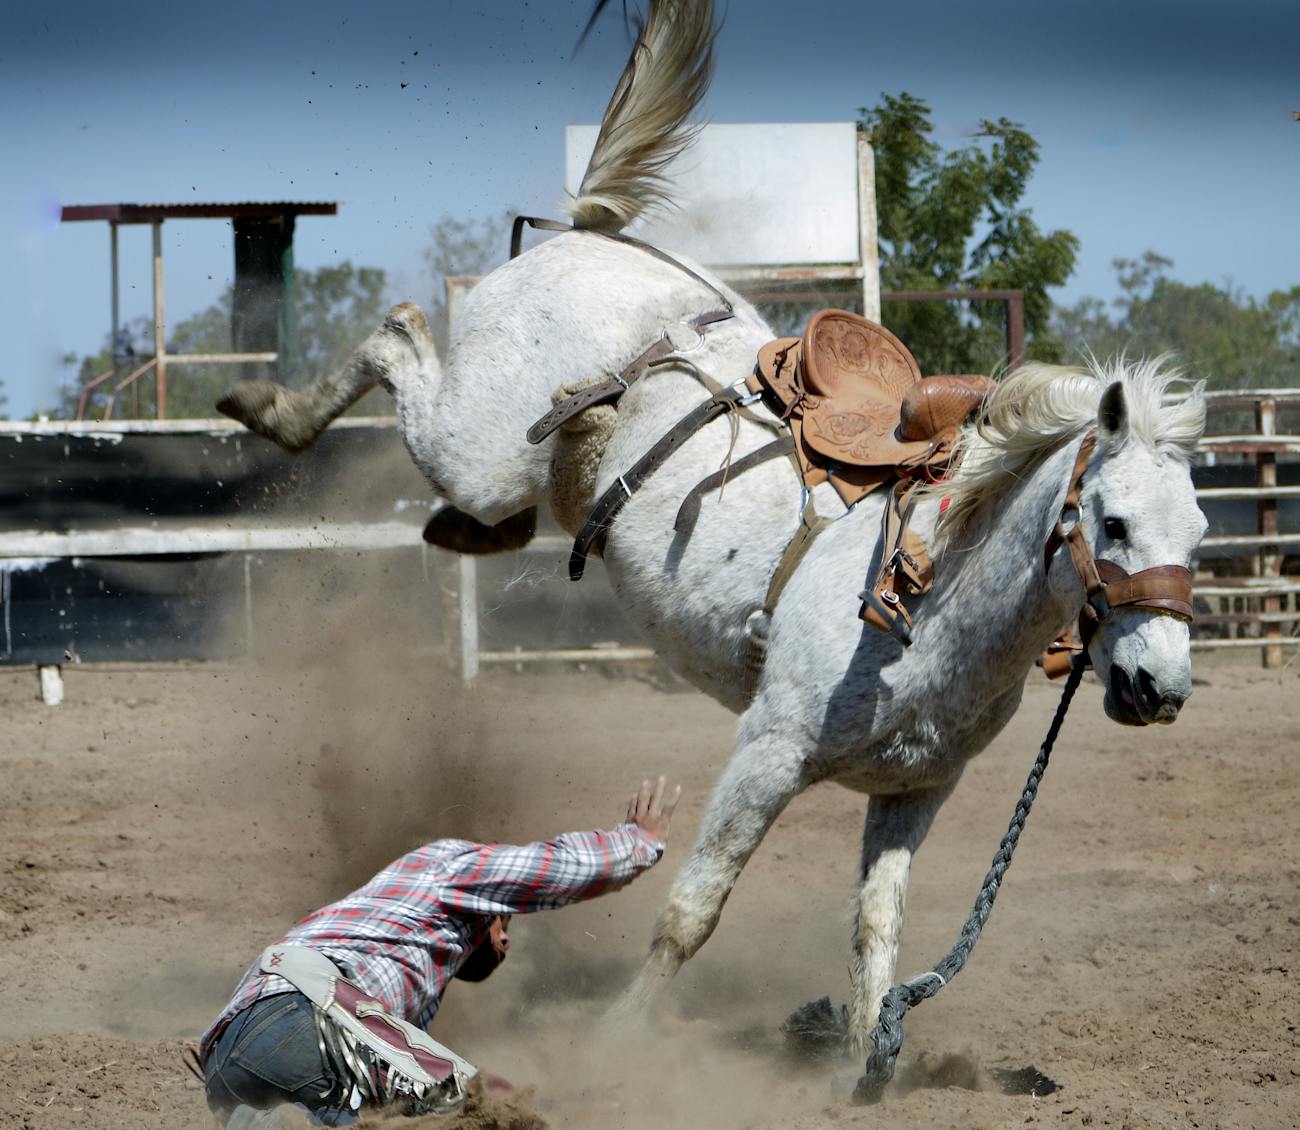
1138	510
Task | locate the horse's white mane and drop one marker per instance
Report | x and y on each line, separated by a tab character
1038	408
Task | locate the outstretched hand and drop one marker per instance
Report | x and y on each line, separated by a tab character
651	807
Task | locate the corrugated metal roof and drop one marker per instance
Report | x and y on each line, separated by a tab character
151	213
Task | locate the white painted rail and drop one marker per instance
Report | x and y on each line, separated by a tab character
143	541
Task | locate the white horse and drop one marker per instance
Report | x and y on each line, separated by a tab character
838	701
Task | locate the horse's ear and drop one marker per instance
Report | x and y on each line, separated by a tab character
1112	415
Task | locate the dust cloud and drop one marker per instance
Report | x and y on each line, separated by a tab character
370	745
376	746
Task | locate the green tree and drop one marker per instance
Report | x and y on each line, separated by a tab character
955	220
1222	335
336	308
460	248
101	369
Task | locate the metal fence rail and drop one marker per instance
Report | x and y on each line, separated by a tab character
1246	601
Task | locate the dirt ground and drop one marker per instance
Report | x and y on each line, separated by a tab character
167	821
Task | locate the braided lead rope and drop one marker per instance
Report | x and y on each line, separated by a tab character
888	1033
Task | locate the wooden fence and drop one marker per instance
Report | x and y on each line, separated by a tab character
143	508
1248	581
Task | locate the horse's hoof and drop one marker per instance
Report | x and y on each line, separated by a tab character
455	530
409	319
249	402
265	408
816	1031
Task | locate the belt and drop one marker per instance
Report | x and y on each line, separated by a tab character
348	1018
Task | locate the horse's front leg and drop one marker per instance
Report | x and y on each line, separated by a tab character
895	827
765	773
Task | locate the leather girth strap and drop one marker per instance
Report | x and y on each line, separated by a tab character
689	511
905	567
755	646
611	391
591	538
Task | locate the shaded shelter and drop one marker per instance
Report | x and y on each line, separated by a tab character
263	328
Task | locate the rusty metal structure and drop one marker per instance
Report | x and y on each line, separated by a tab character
262	315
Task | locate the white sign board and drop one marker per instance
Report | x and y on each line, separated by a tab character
752	195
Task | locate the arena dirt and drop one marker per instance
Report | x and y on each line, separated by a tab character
167	821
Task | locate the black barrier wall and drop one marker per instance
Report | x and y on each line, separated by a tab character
182	479
170	481
186	478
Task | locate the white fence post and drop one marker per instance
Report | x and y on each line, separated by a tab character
51	678
468	598
868	240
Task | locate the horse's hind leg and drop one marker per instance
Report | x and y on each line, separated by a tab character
400	355
765	773
895	827
294	418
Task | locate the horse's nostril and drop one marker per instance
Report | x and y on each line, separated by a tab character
1147	693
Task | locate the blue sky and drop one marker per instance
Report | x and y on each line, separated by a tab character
1163	125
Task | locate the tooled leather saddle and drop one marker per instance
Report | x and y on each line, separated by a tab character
861	416
857	406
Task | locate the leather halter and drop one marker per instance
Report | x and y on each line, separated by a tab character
1164	589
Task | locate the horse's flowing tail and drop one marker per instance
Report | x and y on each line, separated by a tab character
646	122
645	126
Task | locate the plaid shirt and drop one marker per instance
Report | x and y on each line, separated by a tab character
403	935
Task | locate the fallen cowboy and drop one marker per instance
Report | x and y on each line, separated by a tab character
331	1018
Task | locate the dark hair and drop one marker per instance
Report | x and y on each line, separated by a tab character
481	963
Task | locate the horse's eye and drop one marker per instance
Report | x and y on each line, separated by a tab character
1115	529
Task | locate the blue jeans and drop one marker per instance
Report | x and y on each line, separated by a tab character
268	1056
